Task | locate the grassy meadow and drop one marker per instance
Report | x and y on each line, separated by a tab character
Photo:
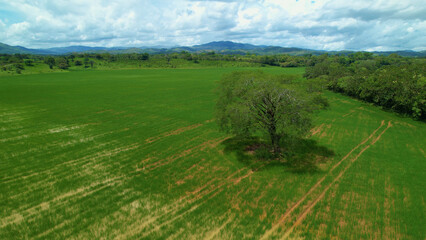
155	62
136	154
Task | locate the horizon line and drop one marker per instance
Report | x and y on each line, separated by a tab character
221	41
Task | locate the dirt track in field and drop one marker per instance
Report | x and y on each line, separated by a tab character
308	207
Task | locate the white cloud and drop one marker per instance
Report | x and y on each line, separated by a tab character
326	24
2	30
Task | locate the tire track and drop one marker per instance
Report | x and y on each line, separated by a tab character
17	218
174	209
287	214
303	215
316	130
54	148
176	132
172	133
60	170
212	234
210	143
197	197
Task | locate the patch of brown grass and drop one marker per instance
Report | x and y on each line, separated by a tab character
172	133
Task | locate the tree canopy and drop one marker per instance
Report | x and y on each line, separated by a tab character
392	82
253	102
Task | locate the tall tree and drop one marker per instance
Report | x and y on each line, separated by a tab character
254	101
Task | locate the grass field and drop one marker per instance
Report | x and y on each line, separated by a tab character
132	154
39	67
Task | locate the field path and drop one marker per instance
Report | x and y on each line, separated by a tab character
288	213
321	196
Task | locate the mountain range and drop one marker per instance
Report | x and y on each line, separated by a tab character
224	47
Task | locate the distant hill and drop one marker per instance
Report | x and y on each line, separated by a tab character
6	49
70	49
223	47
406	53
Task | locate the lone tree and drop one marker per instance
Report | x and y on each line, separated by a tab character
251	102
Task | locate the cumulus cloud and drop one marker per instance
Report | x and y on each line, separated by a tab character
320	24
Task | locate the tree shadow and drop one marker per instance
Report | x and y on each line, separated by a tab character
297	155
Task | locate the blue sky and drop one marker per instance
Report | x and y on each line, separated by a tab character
320	24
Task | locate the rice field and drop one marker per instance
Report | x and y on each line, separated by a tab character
136	154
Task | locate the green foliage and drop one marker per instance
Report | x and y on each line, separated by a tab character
143	57
63	63
29	62
392	82
19	66
78	63
254	101
320	102
165	59
51	62
86	61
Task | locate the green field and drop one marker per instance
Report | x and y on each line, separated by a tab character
131	154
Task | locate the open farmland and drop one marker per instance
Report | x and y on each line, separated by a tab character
132	154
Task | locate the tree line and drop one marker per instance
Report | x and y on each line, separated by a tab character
393	82
18	62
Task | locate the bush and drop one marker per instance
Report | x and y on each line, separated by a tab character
29	62
19	66
320	101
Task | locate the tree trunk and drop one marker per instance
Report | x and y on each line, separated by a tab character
275	139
